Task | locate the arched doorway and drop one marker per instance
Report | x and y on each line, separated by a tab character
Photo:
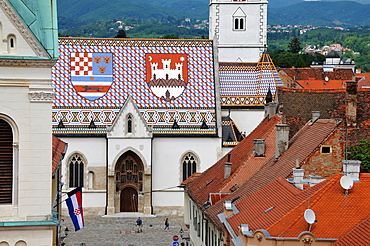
129	181
128	200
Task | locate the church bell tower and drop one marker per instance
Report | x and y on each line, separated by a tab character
240	29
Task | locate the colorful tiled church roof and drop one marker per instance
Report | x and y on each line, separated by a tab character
169	80
246	84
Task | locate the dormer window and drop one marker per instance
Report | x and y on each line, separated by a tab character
239	20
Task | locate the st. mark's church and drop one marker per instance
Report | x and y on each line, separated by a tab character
139	116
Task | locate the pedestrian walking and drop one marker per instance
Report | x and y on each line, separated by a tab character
166	225
139	225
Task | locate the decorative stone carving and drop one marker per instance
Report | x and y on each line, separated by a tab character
259	236
41	96
307	240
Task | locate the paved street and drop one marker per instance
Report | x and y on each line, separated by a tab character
121	231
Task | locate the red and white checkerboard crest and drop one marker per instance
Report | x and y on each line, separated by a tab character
91	73
167	74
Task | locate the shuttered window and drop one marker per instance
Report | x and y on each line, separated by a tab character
6	162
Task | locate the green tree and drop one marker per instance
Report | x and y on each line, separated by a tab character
170	36
361	152
295	45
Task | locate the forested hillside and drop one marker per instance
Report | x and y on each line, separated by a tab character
317	13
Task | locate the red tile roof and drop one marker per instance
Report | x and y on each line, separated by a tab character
316	78
212	180
358	236
266	206
302	146
336	213
59	149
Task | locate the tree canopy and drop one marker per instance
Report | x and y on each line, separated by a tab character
361	152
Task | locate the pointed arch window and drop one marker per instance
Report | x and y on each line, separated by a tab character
76	171
6	162
189	165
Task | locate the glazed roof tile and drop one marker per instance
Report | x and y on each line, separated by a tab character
94	77
246	84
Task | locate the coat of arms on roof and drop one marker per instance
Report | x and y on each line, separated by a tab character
166	74
91	74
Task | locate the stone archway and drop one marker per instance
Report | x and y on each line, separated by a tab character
129	173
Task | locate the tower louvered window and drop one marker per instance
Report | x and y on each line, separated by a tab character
76	171
6	162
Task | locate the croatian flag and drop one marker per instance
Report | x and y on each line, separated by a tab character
74	203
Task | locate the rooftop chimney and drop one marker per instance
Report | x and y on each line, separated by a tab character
270	109
227	167
351	103
352	168
298	174
315	115
282	138
259	147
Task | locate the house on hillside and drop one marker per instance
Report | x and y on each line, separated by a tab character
264	156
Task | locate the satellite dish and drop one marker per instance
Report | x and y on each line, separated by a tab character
346	182
309	216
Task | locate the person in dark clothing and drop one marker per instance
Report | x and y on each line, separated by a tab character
166	224
139	225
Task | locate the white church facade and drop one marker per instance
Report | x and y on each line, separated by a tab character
141	116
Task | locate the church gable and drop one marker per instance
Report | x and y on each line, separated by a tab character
129	123
17	37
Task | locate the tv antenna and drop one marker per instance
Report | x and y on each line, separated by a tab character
310	217
347	183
